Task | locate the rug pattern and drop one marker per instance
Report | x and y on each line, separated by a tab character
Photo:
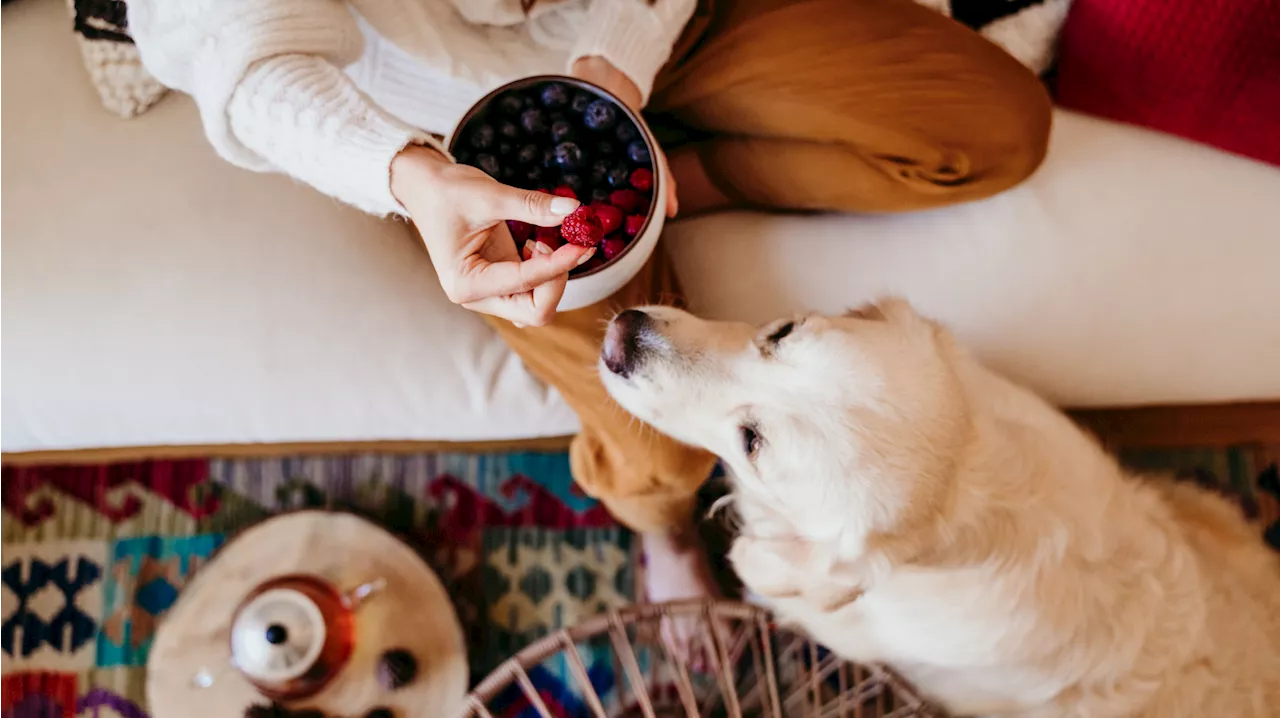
94	556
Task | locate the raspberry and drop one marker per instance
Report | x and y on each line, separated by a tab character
520	231
597	260
624	199
549	236
582	227
642	179
633	224
612	247
610	217
565	191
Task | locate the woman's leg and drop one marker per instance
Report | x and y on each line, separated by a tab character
866	105
646	480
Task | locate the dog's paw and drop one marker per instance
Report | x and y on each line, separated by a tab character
790	568
771	568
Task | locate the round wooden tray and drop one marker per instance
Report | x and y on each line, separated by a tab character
412	612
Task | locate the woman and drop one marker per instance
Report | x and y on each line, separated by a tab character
855	105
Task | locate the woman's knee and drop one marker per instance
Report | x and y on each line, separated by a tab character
1026	126
1005	146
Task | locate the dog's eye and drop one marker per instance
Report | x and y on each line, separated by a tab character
750	439
781	333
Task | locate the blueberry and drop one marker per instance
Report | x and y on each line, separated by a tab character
561	131
489	164
638	152
626	132
505	149
554	117
600	194
599	172
605	148
568	156
510	105
533	121
572	181
527	154
482	137
580	101
555	95
618	177
508	130
533	176
462	156
600	115
508	174
549	157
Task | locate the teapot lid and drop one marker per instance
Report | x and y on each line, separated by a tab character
277	636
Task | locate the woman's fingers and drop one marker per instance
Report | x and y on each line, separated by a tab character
673	202
530	309
531	206
498	279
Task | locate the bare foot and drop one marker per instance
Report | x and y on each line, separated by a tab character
676	569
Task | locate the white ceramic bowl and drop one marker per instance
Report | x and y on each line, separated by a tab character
602	282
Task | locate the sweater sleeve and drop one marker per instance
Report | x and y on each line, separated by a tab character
635	36
266	77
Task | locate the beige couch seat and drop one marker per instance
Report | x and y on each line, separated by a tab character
153	294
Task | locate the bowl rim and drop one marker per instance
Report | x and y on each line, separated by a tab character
636	120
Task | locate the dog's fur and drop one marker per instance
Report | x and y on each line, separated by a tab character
907	506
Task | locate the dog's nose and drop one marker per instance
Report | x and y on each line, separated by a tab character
622	346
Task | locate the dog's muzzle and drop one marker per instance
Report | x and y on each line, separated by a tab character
623	346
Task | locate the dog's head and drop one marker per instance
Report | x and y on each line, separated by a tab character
846	424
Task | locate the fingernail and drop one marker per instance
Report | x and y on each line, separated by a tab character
561	206
583	259
540	248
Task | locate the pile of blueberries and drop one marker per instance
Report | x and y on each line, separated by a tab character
569	141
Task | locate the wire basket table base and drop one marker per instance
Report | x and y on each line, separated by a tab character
738	664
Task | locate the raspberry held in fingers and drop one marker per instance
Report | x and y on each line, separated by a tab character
582	228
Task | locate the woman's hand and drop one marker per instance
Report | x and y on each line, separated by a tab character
598	71
460	212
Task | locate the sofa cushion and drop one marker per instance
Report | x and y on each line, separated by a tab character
154	294
1209	71
1134	268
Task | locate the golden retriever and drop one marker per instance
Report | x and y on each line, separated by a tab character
907	506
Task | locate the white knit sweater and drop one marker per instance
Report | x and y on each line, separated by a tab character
329	92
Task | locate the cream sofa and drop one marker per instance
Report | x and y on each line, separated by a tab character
155	295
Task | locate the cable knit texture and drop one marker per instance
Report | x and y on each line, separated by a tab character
329	92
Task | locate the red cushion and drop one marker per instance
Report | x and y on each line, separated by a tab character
1208	70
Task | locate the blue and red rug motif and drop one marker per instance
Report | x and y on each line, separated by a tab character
94	556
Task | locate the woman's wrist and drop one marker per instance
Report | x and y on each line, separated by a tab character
599	71
412	165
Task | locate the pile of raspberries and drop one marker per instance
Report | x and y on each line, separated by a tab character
571	142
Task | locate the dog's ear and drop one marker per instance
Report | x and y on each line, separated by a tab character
885	309
870	312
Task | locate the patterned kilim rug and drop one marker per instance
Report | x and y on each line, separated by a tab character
93	556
